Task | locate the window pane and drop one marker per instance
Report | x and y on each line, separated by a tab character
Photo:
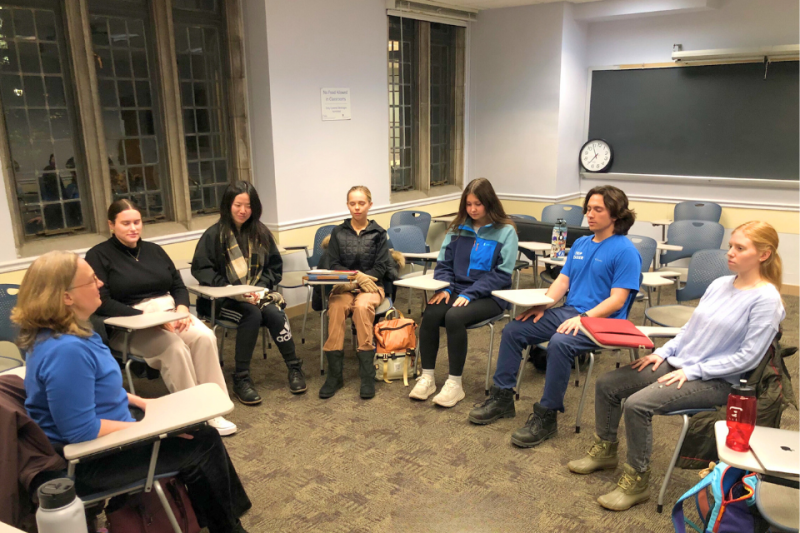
202	78
443	56
401	101
39	122
126	95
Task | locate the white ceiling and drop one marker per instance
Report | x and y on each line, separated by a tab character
488	4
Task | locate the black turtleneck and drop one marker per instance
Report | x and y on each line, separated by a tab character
133	274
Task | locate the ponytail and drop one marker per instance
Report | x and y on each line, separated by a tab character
765	238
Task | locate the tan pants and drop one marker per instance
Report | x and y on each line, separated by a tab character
362	306
184	359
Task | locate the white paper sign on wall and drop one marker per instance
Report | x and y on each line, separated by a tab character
335	104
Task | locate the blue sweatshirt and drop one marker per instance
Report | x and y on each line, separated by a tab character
72	383
475	264
728	333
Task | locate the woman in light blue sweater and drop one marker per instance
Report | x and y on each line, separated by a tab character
727	336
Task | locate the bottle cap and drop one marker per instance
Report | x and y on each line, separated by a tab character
742	389
56	493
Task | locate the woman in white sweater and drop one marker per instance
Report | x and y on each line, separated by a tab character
727	336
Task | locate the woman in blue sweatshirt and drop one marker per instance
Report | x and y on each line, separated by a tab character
74	392
727	336
477	257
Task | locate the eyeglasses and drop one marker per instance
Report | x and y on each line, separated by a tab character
94	281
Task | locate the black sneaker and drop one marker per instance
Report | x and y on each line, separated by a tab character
500	404
542	424
297	379
244	390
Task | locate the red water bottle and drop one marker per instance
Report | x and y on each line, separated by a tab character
741	416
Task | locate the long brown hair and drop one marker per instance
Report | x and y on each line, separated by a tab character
483	190
40	301
765	238
616	203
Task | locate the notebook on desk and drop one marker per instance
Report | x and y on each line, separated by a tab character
778	450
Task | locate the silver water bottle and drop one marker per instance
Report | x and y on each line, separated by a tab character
60	510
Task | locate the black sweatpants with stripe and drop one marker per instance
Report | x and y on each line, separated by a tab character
250	319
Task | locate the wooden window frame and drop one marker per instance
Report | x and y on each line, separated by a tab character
90	139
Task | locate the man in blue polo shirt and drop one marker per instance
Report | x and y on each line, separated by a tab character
600	277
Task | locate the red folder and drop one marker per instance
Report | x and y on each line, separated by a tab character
616	332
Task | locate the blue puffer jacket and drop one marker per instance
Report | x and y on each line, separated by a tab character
475	264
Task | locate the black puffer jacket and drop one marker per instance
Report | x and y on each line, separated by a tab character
367	251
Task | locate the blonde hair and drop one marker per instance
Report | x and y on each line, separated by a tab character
360	188
40	301
765	238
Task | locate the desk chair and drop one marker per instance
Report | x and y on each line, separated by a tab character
490	323
693	236
573	214
408	239
313	261
646	246
691	210
704	267
420	219
523	217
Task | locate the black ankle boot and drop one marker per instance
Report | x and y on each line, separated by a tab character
244	390
297	379
334	381
366	369
500	404
542	424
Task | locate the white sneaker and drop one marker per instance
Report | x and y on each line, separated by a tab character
424	388
225	427
451	394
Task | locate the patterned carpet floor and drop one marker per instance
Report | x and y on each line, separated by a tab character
391	464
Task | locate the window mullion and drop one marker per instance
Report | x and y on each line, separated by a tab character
423	108
88	103
173	118
457	153
237	93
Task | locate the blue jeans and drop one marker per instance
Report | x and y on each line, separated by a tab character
560	353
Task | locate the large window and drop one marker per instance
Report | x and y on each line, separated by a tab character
426	100
88	119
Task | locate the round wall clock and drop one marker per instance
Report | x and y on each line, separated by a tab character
596	156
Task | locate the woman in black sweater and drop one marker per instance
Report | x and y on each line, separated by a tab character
240	250
139	277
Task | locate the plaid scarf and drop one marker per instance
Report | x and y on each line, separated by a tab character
239	270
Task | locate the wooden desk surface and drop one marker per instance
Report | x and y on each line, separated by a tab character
147	320
164	415
229	291
431	256
534	246
655	279
524	297
425	283
668	247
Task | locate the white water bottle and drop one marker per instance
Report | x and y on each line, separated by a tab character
60	510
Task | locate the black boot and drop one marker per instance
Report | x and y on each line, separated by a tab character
500	404
244	390
542	424
334	381
297	379
366	369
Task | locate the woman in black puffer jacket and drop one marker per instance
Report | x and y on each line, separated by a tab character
362	245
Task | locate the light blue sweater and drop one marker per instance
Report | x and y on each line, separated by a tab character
728	333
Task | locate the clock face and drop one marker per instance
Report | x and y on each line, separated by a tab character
596	156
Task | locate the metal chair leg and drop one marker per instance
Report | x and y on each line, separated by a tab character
489	359
219	352
583	394
577	371
525	354
130	377
322	342
305	316
264	341
167	509
675	454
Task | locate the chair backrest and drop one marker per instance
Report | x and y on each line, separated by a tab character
693	235
704	267
632	298
406	239
421	219
573	214
322	232
697	211
8	299
529	218
647	249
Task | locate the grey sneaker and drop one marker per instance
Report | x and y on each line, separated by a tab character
602	456
632	488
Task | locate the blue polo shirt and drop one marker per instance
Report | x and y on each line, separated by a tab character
594	268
